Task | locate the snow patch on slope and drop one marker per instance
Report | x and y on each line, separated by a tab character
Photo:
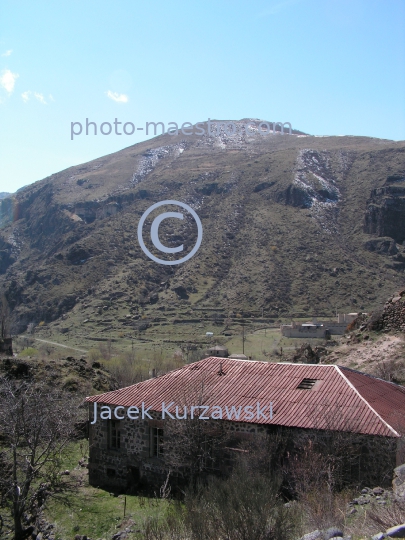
151	157
314	177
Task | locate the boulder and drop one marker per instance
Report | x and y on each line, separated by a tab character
314	535
333	532
398	483
120	536
396	532
378	491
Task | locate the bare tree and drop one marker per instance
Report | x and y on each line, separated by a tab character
36	424
191	445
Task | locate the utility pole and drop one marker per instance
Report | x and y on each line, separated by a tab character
243	337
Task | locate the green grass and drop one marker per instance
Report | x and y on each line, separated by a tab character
263	344
93	511
29	351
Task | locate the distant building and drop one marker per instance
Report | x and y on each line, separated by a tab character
347	317
238	356
318	329
218	351
303	330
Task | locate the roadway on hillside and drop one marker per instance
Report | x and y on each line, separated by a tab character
60	345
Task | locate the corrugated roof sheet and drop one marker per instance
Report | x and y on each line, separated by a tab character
342	399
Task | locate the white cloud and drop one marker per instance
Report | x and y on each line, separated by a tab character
119	98
7	53
7	80
40	97
26	96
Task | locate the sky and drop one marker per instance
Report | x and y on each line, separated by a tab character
329	67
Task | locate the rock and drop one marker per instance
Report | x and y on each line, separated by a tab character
361	500
120	536
384	245
396	532
332	532
314	535
398	483
306	355
378	536
378	491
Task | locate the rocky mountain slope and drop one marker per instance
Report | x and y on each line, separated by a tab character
292	225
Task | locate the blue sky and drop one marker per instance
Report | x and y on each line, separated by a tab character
330	67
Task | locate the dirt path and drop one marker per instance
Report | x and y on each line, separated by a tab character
60	345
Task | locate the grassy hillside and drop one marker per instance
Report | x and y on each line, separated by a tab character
284	220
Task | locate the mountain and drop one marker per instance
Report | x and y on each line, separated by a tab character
293	225
3	195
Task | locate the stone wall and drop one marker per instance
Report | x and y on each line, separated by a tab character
392	317
128	464
132	465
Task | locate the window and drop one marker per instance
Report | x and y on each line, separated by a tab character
114	435
156	441
306	384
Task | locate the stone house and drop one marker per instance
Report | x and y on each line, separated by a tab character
218	351
319	329
127	426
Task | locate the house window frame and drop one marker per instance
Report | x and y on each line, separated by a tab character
114	435
156	438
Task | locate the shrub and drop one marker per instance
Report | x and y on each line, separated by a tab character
246	506
30	351
71	384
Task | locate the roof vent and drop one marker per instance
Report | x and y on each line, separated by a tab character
221	371
306	384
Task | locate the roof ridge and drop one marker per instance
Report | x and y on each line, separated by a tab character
301	364
338	369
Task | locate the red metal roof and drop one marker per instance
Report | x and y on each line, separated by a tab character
342	399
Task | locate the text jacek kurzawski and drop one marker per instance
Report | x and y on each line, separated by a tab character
201	412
